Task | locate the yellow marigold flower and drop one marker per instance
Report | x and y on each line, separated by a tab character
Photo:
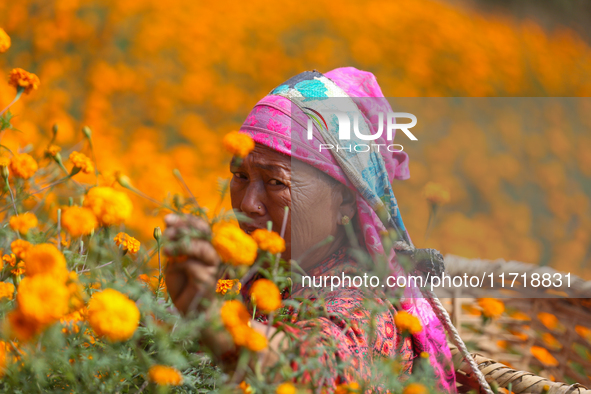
165	376
53	150
286	388
548	319
127	242
436	193
265	295
108	205
256	341
46	259
491	307
79	221
43	299
415	388
234	246
20	248
81	161
113	315
23	165
238	144
23	222
246	389
20	78
225	285
544	356
407	322
347	388
234	313
4	41
6	290
269	241
20	326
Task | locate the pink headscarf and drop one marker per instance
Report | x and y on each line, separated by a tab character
276	123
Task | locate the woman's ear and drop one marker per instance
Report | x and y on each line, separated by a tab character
348	205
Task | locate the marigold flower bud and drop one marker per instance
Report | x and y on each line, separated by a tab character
87	132
158	234
54	130
123	180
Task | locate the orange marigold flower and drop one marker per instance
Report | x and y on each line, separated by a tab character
23	222
81	161
6	290
286	388
255	341
491	307
20	78
269	241
165	376
71	320
225	285
79	221
234	246
234	313
407	322
436	193
108	205
544	356
246	389
265	295
20	326
4	41
9	259
35	295
113	315
20	248
127	242
46	259
415	388
347	388
53	150
19	270
548	319
23	165
583	331
238	144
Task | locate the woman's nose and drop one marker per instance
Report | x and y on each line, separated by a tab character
252	202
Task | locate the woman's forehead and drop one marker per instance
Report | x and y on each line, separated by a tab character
266	158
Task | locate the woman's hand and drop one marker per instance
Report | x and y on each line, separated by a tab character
193	262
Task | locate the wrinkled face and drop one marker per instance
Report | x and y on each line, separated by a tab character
265	182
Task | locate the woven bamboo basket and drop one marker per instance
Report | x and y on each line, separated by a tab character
543	339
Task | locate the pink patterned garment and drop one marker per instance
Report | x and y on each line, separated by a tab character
276	123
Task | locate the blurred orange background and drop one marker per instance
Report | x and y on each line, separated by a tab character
161	82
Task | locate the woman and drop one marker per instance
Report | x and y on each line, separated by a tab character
325	189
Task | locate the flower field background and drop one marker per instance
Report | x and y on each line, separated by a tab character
130	91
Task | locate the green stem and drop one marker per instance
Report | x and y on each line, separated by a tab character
19	92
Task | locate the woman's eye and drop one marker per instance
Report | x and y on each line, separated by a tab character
275	182
239	175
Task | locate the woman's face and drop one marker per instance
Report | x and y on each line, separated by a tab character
265	182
